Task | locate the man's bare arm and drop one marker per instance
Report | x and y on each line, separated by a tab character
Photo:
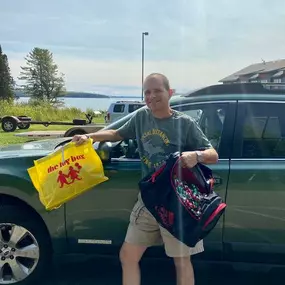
210	156
100	136
106	135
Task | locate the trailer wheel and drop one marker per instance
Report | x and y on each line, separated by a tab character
9	124
23	126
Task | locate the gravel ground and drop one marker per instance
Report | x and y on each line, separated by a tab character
108	272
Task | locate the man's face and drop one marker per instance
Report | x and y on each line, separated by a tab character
156	96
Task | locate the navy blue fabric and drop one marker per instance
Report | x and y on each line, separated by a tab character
160	197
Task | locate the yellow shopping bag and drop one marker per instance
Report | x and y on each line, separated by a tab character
66	173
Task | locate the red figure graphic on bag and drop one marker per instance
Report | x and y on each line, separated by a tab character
166	216
62	179
73	174
78	166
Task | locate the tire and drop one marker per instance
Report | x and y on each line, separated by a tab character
76	132
16	219
23	126
9	124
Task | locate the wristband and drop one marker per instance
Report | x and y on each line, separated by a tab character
200	157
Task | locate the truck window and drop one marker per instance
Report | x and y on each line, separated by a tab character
210	118
263	131
119	108
133	107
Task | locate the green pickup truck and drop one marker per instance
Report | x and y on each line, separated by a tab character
246	125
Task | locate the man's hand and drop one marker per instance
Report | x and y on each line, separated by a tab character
188	159
80	139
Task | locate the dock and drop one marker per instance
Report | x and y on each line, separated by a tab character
92	128
42	134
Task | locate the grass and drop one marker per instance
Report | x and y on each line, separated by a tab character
10	138
39	112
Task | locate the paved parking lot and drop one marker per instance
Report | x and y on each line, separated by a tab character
108	272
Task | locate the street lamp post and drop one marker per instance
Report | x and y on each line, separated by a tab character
143	35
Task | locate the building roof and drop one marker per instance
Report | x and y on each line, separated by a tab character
256	68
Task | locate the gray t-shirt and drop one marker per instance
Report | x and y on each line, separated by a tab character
158	138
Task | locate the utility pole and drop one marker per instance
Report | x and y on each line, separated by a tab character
143	35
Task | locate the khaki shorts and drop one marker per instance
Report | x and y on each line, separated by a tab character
144	230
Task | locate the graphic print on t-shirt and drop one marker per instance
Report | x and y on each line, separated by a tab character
151	149
155	143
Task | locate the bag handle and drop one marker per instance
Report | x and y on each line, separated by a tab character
200	171
156	173
63	147
62	154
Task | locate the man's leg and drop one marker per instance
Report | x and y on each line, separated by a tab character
181	255
130	256
184	271
143	232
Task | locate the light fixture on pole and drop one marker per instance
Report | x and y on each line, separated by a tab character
143	35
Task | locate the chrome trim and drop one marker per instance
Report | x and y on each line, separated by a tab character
117	159
221	159
94	241
257	159
260	101
203	102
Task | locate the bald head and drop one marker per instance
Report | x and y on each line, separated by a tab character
157	93
160	76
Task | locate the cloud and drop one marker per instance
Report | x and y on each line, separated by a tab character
182	30
97	44
124	77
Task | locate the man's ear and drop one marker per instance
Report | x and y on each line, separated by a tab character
170	92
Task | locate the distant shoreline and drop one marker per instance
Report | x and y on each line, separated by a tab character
84	95
93	97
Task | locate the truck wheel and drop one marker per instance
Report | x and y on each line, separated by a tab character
9	124
75	132
25	247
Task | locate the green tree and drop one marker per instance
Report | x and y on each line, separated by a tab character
7	83
41	76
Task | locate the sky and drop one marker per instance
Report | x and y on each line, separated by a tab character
98	44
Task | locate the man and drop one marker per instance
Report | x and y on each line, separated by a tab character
159	131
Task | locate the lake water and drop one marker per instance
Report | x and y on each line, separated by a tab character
93	103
